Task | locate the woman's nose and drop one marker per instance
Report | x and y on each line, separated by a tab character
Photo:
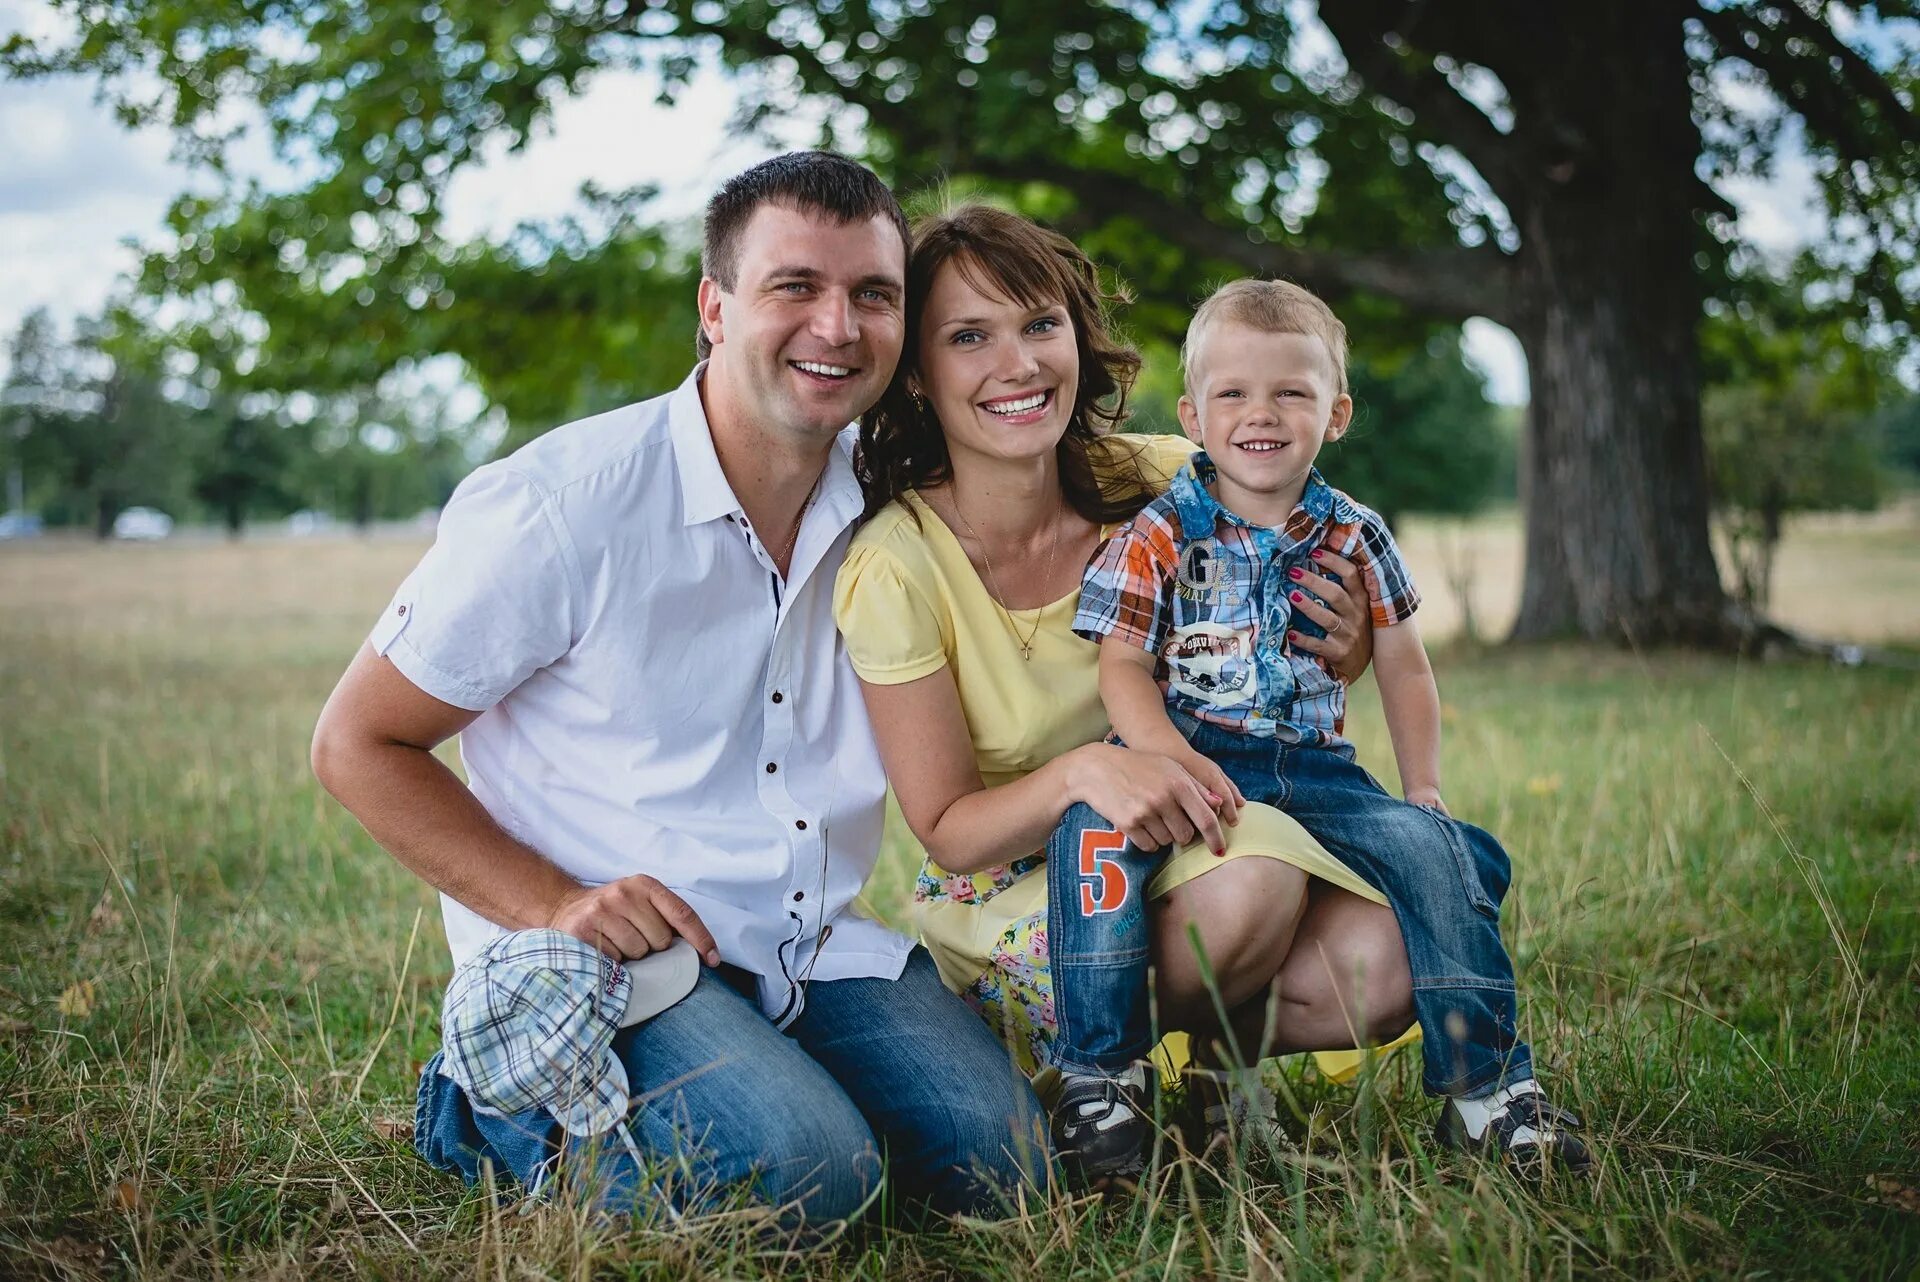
1017	364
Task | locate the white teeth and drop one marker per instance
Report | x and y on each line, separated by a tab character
815	367
1262	447
1020	406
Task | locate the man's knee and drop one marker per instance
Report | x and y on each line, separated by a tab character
821	1168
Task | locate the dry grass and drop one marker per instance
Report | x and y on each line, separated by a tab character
211	1015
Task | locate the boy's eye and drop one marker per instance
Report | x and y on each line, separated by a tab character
1230	393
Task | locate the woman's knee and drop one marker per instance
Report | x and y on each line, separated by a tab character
1350	964
1244	914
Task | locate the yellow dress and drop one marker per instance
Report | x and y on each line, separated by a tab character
909	602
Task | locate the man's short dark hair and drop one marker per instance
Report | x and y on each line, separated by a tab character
816	182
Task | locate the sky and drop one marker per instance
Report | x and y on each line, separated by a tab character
76	187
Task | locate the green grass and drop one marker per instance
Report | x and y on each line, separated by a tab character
1714	913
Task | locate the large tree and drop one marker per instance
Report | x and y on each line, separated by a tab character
1544	165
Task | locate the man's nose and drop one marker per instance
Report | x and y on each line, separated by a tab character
834	320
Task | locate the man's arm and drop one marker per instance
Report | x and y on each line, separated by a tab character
373	750
1411	701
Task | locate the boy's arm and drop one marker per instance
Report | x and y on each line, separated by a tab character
1412	704
1138	711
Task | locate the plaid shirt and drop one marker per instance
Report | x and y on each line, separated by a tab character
1207	592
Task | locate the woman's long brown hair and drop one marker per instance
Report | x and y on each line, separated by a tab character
901	444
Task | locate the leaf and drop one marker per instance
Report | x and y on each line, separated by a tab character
126	1195
1543	785
389	1128
1885	1190
76	1002
106	915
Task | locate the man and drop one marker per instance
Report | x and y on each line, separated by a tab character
628	622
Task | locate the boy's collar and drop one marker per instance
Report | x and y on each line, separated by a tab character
1200	511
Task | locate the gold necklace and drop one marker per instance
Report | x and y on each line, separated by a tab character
1053	548
793	535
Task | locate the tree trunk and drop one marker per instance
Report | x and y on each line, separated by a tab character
1608	301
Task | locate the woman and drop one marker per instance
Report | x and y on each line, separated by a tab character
991	475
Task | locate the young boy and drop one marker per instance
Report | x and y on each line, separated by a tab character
1194	606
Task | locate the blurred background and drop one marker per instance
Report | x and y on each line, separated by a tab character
295	274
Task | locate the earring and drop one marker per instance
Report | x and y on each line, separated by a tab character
919	401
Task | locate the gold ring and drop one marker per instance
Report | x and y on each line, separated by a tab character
1338	622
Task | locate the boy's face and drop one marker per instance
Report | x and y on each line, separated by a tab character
1261	405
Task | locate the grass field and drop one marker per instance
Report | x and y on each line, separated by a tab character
215	992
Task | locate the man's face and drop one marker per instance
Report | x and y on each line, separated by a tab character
808	336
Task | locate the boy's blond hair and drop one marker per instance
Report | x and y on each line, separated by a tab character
1271	307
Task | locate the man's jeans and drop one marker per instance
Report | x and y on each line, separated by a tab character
1444	879
726	1105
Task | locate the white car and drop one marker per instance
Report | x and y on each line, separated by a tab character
142	524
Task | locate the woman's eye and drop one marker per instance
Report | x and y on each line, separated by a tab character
966	337
1045	325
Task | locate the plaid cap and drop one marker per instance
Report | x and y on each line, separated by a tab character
529	1022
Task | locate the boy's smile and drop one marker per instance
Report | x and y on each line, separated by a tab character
1262	405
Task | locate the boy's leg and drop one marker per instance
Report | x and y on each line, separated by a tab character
1444	880
1098	943
1098	950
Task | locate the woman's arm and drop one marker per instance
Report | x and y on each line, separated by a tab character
1348	645
966	826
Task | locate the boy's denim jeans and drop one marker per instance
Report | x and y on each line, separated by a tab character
726	1104
1444	880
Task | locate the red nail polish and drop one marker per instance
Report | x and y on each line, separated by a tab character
1296	573
1299	596
1315	554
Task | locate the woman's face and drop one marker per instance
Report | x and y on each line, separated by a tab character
1001	376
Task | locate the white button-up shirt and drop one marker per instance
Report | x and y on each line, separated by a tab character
654	698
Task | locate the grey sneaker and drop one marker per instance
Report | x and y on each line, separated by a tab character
1101	1125
1528	1133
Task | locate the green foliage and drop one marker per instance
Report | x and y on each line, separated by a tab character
1424	436
1777	450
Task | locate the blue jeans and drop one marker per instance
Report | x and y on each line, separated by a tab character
1443	878
727	1104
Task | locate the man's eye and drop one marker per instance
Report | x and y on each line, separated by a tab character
792	287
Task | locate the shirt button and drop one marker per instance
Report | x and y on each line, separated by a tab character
798	895
801	824
771	767
778	697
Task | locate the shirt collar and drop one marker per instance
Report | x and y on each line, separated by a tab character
1200	512
705	494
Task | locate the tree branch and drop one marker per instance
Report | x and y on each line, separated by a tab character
1450	283
1423	90
1860	75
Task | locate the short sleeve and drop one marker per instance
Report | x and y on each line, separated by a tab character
491	602
891	631
1391	594
1124	590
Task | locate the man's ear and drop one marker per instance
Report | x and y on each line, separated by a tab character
1190	419
1342	415
709	299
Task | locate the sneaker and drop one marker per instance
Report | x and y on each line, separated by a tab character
1101	1124
1524	1130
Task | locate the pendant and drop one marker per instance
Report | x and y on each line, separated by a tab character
1026	651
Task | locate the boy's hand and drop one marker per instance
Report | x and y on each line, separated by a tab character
1215	781
1430	798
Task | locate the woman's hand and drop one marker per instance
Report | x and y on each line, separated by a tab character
1153	799
1348	645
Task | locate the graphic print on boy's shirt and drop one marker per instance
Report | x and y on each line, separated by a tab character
1211	595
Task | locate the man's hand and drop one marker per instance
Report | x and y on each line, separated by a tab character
1430	798
631	917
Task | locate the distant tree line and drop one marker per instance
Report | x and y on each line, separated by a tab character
111	418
